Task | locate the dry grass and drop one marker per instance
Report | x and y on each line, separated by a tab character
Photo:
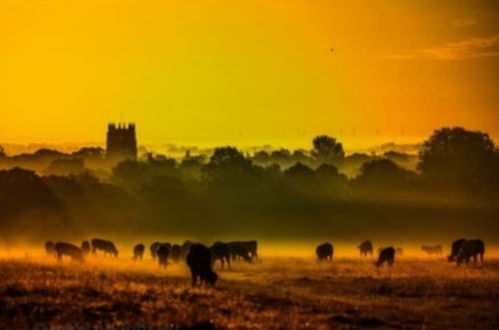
276	293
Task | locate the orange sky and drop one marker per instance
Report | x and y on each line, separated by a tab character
249	70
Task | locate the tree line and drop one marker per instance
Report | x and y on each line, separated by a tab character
452	187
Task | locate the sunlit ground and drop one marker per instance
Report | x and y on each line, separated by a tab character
274	292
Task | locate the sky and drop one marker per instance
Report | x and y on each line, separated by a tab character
247	71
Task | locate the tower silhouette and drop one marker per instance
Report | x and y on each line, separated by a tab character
121	142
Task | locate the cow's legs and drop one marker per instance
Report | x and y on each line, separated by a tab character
481	259
228	262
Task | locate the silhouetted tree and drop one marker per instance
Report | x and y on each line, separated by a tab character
327	150
227	164
332	181
456	157
383	175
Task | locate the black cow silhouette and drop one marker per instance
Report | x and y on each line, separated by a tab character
432	249
85	248
471	249
365	248
153	248
386	255
240	250
251	248
455	248
220	251
162	253
50	248
103	245
199	261
70	250
324	252
138	251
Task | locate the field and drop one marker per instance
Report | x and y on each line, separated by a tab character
276	293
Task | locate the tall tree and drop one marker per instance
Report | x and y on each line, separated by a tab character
327	150
459	158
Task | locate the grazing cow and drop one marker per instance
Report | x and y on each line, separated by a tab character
176	253
471	249
399	251
220	251
386	255
138	251
50	248
103	245
85	248
250	246
238	250
153	248
324	252
70	250
432	249
365	248
199	261
455	248
162	253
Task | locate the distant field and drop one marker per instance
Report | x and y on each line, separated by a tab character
276	293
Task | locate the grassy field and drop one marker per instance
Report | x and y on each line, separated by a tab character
277	293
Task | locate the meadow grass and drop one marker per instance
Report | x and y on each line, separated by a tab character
272	293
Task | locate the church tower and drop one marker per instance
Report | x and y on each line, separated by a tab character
121	142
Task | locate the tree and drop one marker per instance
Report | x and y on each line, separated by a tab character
459	158
227	166
327	150
383	175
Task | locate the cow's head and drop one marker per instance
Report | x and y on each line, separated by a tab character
212	278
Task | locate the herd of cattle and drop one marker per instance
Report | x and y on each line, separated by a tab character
198	257
462	250
201	258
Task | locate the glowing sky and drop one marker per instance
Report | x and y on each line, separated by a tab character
233	70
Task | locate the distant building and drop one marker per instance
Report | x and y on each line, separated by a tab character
121	142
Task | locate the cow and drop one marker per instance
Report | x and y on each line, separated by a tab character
432	249
399	251
199	262
176	253
220	251
70	250
85	248
138	251
162	253
240	250
50	248
107	246
324	252
471	249
455	248
153	248
365	248
250	246
386	255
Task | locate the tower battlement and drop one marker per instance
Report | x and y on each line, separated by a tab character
121	141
